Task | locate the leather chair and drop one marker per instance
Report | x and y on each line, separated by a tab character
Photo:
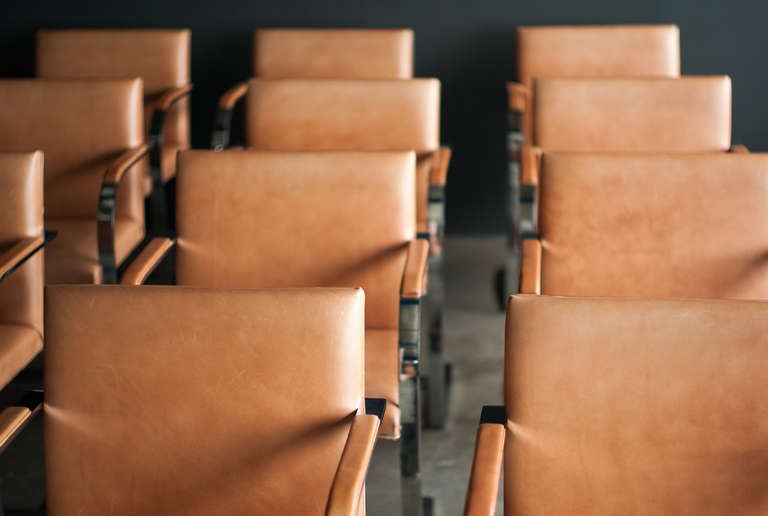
91	134
147	416
312	219
666	226
333	53
627	406
687	115
161	58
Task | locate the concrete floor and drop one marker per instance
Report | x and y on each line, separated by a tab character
474	338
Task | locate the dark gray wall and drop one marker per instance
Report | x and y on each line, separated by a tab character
469	45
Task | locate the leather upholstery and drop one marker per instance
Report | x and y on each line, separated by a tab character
640	407
303	219
175	387
595	51
21	293
665	226
483	491
692	114
161	57
349	115
81	126
333	53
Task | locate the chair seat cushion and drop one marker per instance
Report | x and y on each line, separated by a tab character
73	256
18	346
382	378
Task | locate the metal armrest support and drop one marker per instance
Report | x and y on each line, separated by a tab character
346	493
107	208
483	491
14	257
157	128
414	284
530	267
530	164
147	261
223	121
15	418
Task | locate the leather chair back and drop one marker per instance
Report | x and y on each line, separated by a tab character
159	56
642	407
692	114
271	219
172	400
665	226
21	216
596	51
333	53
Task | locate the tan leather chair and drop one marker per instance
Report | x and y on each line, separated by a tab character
627	406
333	53
91	134
221	433
665	226
161	57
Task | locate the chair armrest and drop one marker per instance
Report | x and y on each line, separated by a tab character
530	267
739	149
107	207
157	128
223	121
483	491
517	97
15	418
438	176
414	285
346	493
147	261
530	164
11	259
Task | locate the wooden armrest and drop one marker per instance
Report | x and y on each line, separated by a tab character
517	96
739	149
530	267
15	418
483	491
346	493
414	284
439	173
149	258
16	255
530	162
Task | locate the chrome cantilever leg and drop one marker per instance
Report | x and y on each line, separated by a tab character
515	211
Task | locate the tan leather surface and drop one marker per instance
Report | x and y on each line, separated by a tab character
297	219
692	114
595	51
382	360
16	254
518	98
530	267
73	256
664	226
530	161
348	485
739	149
19	344
147	260
12	419
21	218
188	399
483	492
333	53
161	57
373	115
230	97
425	164
639	407
438	176
414	284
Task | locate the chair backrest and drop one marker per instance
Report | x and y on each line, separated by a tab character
643	407
665	226
270	219
333	53
691	114
81	126
596	51
234	401
21	216
159	56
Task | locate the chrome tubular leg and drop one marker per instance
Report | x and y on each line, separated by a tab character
514	143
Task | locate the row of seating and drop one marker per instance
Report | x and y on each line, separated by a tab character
631	384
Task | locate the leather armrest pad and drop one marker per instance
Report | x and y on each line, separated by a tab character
483	491
16	254
123	163
517	96
232	95
350	477
530	161
149	258
739	149
171	96
530	267
414	284
438	176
